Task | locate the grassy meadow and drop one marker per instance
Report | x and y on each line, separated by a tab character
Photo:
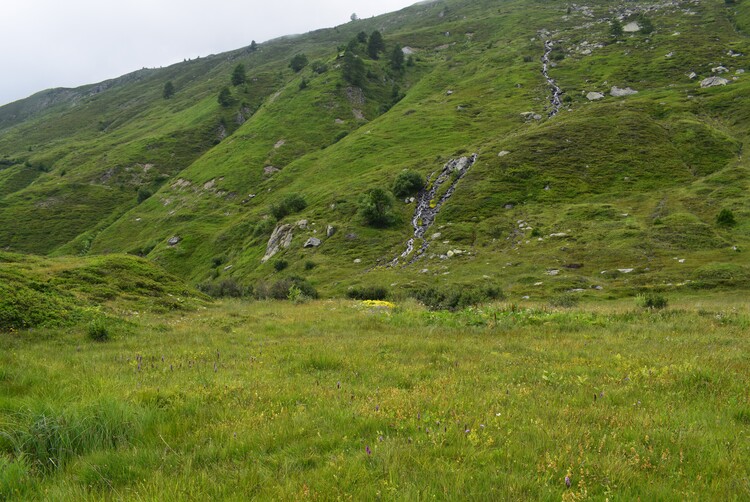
343	399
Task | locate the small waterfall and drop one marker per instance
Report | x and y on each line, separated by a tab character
555	101
428	207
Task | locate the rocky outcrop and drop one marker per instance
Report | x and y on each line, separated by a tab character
281	238
312	242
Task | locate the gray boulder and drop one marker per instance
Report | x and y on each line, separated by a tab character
594	96
173	241
312	242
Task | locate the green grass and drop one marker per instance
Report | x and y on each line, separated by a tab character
283	401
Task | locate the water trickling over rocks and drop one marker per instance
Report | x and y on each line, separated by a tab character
555	100
429	203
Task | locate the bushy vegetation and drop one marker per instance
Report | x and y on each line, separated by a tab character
368	293
290	204
652	301
407	182
456	298
375	207
725	218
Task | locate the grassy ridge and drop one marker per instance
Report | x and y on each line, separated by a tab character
633	182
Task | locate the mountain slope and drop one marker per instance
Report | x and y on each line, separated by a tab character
603	197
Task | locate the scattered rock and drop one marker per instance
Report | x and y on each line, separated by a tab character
279	144
503	153
558	234
449	93
669	55
352	236
173	241
228	267
358	114
509	206
312	242
436	236
713	82
739	72
358	260
209	184
625	270
330	230
631	27
617	92
692	75
339	122
302	224
269	170
531	115
407	50
553	272
280	238
594	96
719	69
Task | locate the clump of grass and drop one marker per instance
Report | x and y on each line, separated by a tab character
565	300
651	301
280	264
226	288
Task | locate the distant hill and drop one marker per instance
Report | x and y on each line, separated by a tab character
616	188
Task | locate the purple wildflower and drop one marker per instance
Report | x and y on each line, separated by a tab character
367	449
567	481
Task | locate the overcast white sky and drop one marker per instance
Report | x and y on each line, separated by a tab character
67	43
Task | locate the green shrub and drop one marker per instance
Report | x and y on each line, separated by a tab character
280	265
651	301
279	290
309	265
725	218
375	207
368	293
456	298
290	204
407	182
143	194
98	330
298	62
565	300
226	288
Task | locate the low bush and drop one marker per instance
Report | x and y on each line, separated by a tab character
280	265
456	298
368	293
97	330
226	288
280	290
651	301
565	300
407	183
292	203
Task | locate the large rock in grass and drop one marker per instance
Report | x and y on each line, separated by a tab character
594	96
280	238
617	92
713	81
312	242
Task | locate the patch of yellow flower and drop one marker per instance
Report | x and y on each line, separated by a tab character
378	303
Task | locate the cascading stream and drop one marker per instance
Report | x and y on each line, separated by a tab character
555	101
428	208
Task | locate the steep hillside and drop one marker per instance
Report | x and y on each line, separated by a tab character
616	187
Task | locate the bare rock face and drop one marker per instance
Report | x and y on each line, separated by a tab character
713	81
281	238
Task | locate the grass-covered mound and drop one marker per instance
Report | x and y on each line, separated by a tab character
43	292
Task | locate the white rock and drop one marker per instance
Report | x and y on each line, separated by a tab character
558	234
719	69
503	153
617	92
631	27
692	75
553	272
358	260
739	72
713	82
594	96
625	270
